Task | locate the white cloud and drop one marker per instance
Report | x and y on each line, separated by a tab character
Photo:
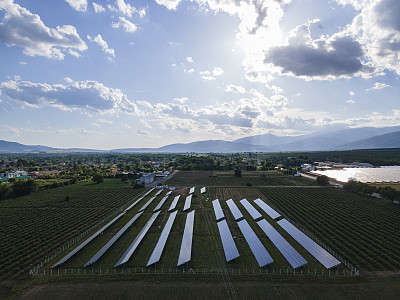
181	100
188	70
189	59
79	5
378	86
217	71
351	101
125	24
23	63
351	93
103	44
127	9
74	95
19	27
98	8
170	4
235	89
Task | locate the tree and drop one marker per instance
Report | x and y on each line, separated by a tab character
238	173
323	180
98	178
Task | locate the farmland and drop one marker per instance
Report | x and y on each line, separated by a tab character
360	230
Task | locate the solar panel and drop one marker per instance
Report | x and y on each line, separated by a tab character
128	253
133	204
158	193
228	244
268	209
188	202
234	209
174	203
291	255
158	250
202	190
103	250
260	253
147	203
323	256
87	241
169	193
161	203
191	190
219	214
250	209
148	192
186	248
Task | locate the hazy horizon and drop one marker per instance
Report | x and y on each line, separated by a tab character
109	74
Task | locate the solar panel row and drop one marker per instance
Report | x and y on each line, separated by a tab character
188	202
260	253
250	209
133	204
234	209
185	253
72	253
128	253
219	214
103	250
161	203
148	192
228	244
174	203
291	255
158	250
268	209
323	256
191	190
158	193
147	203
202	190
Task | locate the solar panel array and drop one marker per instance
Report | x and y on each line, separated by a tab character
128	253
202	190
188	202
250	209
158	250
191	190
174	203
161	203
148	192
260	253
291	255
168	193
219	214
268	209
103	250
158	193
234	209
147	203
185	253
323	256
72	253
133	204
231	252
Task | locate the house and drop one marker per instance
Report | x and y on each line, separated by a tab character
145	179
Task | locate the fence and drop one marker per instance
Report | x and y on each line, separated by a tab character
192	271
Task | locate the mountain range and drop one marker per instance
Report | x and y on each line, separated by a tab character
346	139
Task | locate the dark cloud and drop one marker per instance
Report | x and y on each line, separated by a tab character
341	58
388	14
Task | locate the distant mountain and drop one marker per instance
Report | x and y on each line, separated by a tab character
388	140
17	147
347	139
216	146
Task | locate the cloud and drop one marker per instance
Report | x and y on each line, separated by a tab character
125	24
351	93
127	9
103	44
351	101
238	89
377	28
189	59
211	75
78	5
324	58
78	131
170	4
181	100
20	27
378	86
74	95
217	71
98	8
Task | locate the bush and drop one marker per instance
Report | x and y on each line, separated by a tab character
98	178
323	180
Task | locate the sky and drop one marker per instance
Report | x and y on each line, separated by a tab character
109	74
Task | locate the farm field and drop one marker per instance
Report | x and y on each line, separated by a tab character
359	230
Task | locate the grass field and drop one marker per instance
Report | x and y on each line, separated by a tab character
361	230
